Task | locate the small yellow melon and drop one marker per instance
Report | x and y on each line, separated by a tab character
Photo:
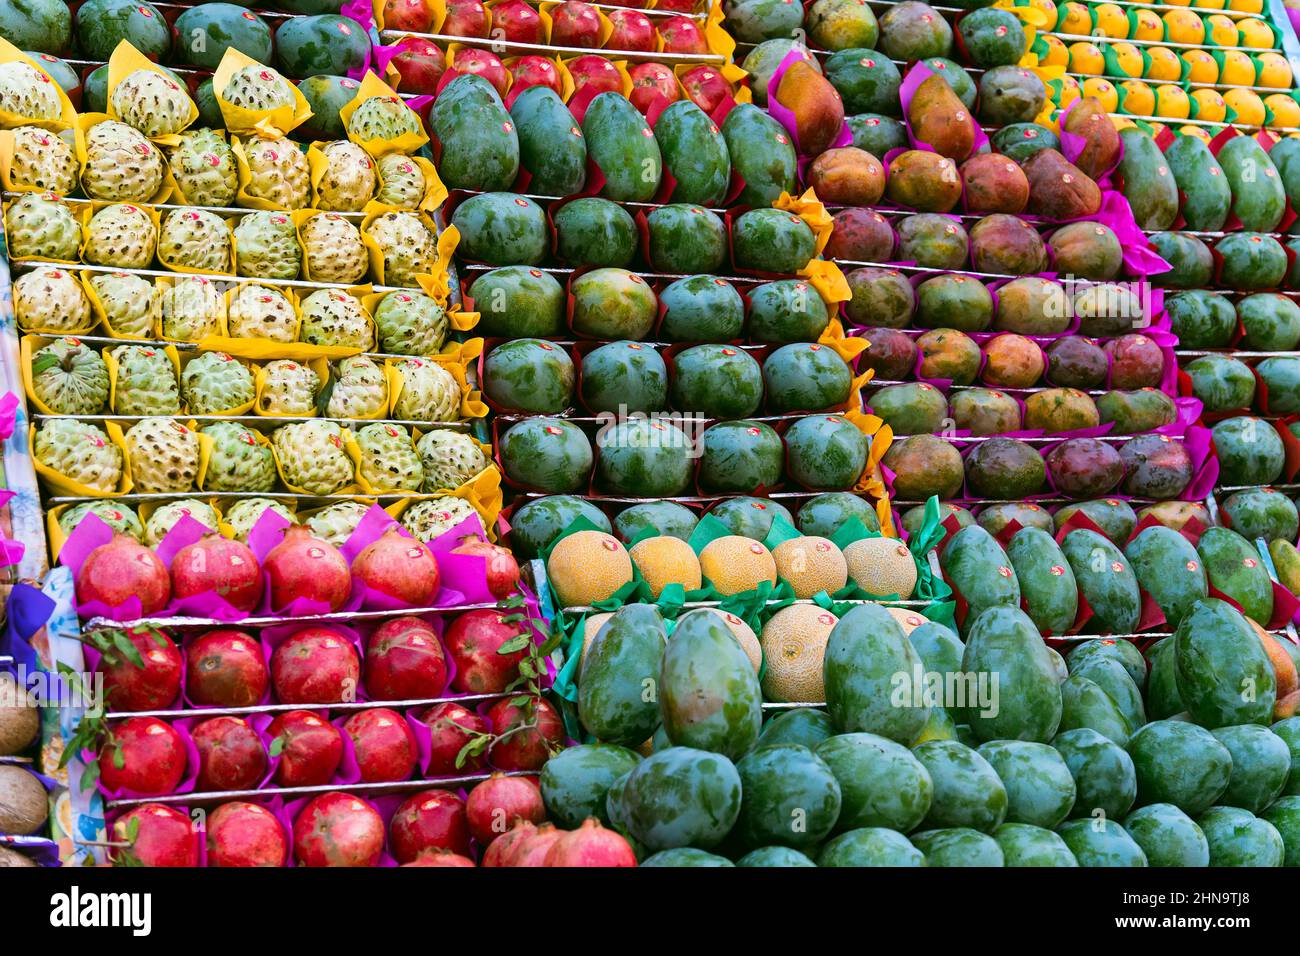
1056	55
588	566
882	566
907	619
1139	99
1201	67
811	565
794	643
1086	58
1103	92
1209	105
1238	69
1221	30
1111	21
1183	26
665	560
734	564
591	627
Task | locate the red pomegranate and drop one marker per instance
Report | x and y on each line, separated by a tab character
163	836
305	566
676	6
502	569
222	565
440	858
384	744
574	23
474	641
310	749
528	731
420	65
496	803
225	668
682	35
515	21
532	852
142	754
431	820
590	845
503	848
338	829
315	666
595	71
245	834
408	16
706	87
452	728
231	755
485	64
466	18
151	687
404	661
399	566
121	569
534	70
632	31
651	82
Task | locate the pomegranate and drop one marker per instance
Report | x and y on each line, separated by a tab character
527	731
420	64
384	744
315	666
223	566
533	851
225	668
245	834
440	858
590	845
474	641
486	64
121	569
682	35
408	16
706	87
309	746
597	72
338	829
515	21
431	820
143	754
502	569
632	31
305	566
399	566
452	728
651	82
163	836
676	6
465	18
503	848
496	803
231	755
535	71
574	23
404	661
151	687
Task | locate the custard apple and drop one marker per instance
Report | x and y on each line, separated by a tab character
121	165
287	389
358	389
28	93
192	309
70	378
259	312
130	302
384	118
215	382
243	514
257	87
165	517
349	180
266	246
311	456
408	246
449	459
278	173
118	517
333	249
146	382
43	161
203	166
333	317
410	323
429	393
336	523
237	460
40	226
164	455
51	300
434	517
79	451
153	103
122	236
388	459
194	240
401	181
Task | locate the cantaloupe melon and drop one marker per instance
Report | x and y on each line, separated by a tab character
588	566
794	643
665	560
590	627
735	564
745	637
811	565
907	619
882	566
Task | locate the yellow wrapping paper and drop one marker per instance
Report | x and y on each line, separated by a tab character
272	123
870	481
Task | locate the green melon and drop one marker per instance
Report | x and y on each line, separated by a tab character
326	95
788	310
825	452
740	456
539	522
665	517
684	238
804	377
750	517
644	458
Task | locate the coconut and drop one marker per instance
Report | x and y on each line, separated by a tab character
24	807
19	723
10	857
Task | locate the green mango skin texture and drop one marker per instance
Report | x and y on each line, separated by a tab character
44	25
1262	513
539	522
1101	843
788	310
1116	518
867	81
1282	376
679	797
502	229
802	377
881	783
1261	763
625	374
870	846
666	517
1193	265
516	302
1046	581
1221	383
612	304
993	38
551	147
967	790
750	517
1250	451
772	240
1115	682
642	458
1289	731
1024	844
825	452
1219	657
1148	184
752	21
1167	836
822	515
1258	198
1122	652
774	856
740	456
623	660
102	24
702	309
973	563
864	652
941	650
708	692
686	238
595	232
1271	321
575	782
912	408
1040	790
1105	581
1085	705
957	846
223	25
547	454
1251	261
761	153
790	798
623	148
1209	197
1201	319
1005	642
529	375
480	149
877	134
1104	776
717	381
1179	763
685	856
800	725
1239	838
694	153
1162	699
325	43
1284	815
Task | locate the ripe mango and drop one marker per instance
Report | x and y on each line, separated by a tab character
994	183
847	177
1087	118
926	181
818	109
940	119
1058	189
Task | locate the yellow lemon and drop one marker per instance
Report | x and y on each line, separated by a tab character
1221	30
1074	18
1056	55
1183	26
1086	58
1129	59
1273	71
1286	111
1163	64
1209	105
1103	91
1238	69
1255	33
1197	131
1172	101
1201	67
1147	26
1246	6
1248	106
1111	21
1139	100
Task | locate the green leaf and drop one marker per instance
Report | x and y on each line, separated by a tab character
89	776
128	649
515	644
43	362
277	746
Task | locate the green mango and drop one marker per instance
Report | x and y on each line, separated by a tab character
1239	838
750	517
1251	261
941	650
718	381
1282	376
1114	680
877	134
1261	763
1200	178
1284	815
1047	584
644	458
774	856
1004	641
1180	763
612	304
624	374
708	692
870	846
665	517
539	522
1289	731
967	790
805	377
1201	320
1040	789
480	149
1121	652
976	566
799	725
993	38
1116	518
685	238
1106	581
1163	700
957	846
1101	843
911	408
789	797
740	456
1167	836
788	310
1250	451
702	309
1262	513
530	375
1258	197
1085	705
623	148
1221	383
516	302
551	146
1285	156
575	782
502	229
622	661
825	452
822	515
772	240
882	784
1149	186
1024	844
1271	322
1020	141
864	652
694	153
595	232
867	81
222	26
1104	776
678	797
546	454
325	43
761	153
685	856
1235	568
1191	264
